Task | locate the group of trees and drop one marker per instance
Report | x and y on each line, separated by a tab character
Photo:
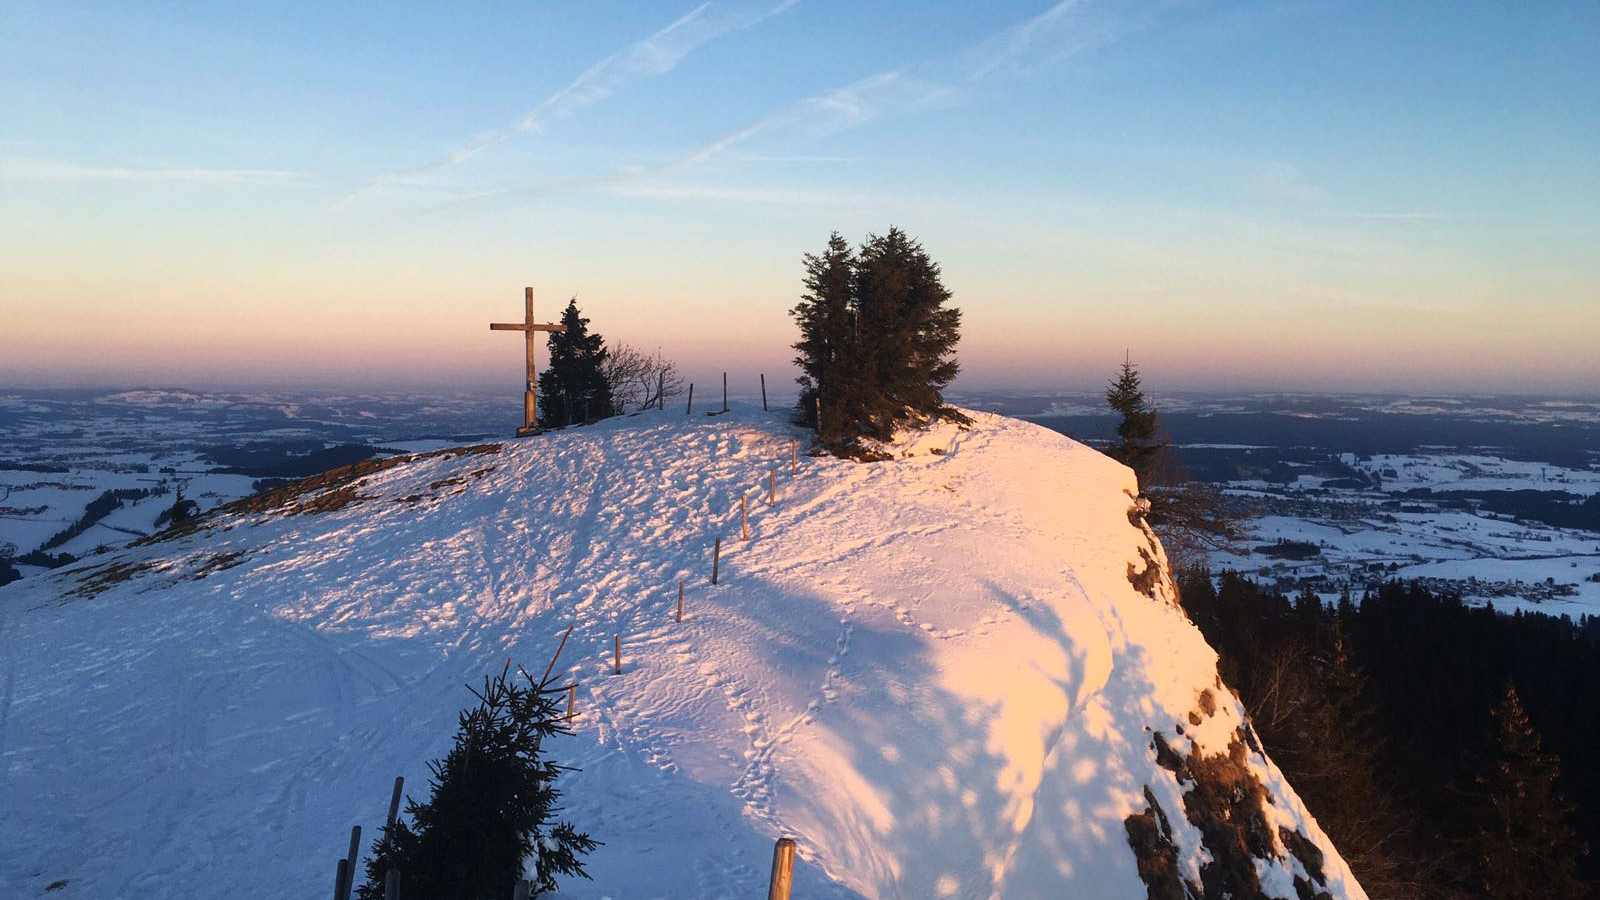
586	380
877	340
1433	741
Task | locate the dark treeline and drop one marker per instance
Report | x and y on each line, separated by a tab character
98	509
1552	507
1444	748
285	459
1358	431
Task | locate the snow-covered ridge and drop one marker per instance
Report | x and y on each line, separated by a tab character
957	674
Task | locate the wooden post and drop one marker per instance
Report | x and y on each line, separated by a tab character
690	405
616	644
521	890
394	801
339	875
772	488
794	458
724	391
552	664
391	885
716	555
763	392
744	517
782	870
661	390
680	599
351	858
572	700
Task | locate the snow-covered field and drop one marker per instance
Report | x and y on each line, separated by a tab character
61	450
1474	472
936	673
1514	565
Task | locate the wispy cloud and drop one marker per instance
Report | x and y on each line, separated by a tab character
55	170
1064	30
1283	182
781	196
1059	32
651	57
798	159
1407	216
833	111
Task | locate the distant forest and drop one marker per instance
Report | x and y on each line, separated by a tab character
1446	749
1562	444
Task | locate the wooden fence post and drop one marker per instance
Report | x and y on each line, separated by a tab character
340	874
724	391
394	803
616	644
716	555
690	405
794	458
772	488
391	877
680	599
351	857
661	390
782	870
552	664
763	392
744	517
572	699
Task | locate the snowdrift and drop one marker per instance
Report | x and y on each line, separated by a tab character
960	673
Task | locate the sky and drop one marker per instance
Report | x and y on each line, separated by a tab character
1244	196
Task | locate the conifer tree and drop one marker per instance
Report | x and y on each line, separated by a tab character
877	339
1137	446
829	379
907	333
493	796
573	388
1525	847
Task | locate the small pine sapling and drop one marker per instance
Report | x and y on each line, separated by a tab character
492	804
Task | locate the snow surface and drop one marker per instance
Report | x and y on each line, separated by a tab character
933	672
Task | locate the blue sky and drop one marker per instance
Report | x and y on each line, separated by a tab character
1247	195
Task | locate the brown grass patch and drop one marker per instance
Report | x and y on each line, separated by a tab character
99	578
217	562
329	491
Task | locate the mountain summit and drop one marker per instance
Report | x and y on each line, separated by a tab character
959	673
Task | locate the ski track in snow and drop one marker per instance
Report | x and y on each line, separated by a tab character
932	672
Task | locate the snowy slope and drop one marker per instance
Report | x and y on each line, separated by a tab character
939	674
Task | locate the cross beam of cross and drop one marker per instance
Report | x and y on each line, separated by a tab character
529	328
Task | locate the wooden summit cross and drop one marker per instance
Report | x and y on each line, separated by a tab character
529	328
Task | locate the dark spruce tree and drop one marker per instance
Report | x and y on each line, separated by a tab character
1525	847
1138	446
825	352
877	340
573	388
493	798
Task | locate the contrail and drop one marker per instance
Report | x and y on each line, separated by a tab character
653	56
